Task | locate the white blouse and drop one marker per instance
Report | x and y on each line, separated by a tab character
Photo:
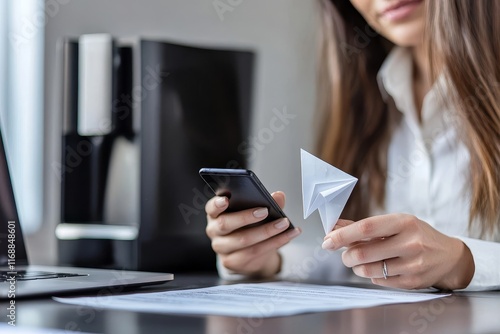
428	170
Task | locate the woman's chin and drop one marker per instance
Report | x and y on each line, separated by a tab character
406	35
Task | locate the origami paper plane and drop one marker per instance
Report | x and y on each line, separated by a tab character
324	188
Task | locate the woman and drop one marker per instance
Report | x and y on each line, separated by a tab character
413	111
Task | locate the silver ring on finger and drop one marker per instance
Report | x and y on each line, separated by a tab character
385	273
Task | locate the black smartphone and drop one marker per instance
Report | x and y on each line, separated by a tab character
244	191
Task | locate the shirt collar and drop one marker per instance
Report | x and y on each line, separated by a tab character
395	80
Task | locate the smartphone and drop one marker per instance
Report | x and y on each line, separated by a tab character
244	191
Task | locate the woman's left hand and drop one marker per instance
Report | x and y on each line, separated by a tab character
415	254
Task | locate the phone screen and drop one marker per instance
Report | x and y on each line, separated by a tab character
244	191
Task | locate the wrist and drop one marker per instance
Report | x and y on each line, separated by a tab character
460	275
272	266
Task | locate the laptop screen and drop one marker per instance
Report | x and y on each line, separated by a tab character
10	230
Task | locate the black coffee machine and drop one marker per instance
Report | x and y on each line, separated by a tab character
156	113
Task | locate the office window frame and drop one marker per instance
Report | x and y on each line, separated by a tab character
21	103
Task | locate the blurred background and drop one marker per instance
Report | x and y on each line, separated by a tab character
281	35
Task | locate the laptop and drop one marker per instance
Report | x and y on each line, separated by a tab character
18	279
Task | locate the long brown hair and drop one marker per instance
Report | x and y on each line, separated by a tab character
462	37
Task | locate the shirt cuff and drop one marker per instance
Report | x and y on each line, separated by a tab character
227	275
486	262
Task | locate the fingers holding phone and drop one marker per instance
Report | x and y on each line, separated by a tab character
232	221
261	259
224	224
243	246
230	232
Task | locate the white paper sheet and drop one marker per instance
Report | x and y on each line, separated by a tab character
324	188
253	300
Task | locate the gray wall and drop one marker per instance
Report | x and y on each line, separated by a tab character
282	32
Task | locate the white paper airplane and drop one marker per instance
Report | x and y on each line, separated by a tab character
325	188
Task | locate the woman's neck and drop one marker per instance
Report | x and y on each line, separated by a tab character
422	79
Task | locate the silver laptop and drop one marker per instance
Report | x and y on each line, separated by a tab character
19	279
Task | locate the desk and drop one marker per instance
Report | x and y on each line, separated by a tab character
459	313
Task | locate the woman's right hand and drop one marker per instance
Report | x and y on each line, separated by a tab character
252	251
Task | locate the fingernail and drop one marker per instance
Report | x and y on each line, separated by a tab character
293	233
220	202
260	213
327	244
283	223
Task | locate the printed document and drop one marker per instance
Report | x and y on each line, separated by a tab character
253	300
